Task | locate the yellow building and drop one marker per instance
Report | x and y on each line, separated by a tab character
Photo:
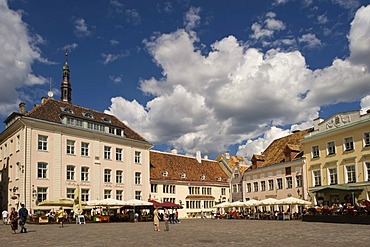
337	155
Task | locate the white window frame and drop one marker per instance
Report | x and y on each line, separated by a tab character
255	187
366	139
137	157
348	143
70	173
138	195
85	149
353	177
107	194
367	171
85	194
42	172
42	194
42	143
137	178
331	149
107	152
289	182
249	187
119	154
315	181
107	175
263	185
279	186
299	180
119	195
271	184
119	176
85	173
315	152
332	179
71	147
70	192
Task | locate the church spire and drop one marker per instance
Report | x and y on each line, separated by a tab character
66	88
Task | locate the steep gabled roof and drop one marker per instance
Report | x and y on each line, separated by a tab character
52	110
175	165
232	161
274	153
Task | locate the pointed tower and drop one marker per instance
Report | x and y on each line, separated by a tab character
66	88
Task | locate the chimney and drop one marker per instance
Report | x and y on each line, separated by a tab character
227	155
174	151
198	156
22	108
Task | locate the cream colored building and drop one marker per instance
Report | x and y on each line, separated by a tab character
46	152
198	184
337	153
279	172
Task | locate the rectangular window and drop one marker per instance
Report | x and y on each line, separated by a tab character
368	171
70	172
84	149
348	143
107	152
107	175
107	194
331	148
249	187
42	194
119	177
288	170
138	195
17	143
317	178
223	191
85	195
333	175
299	180
263	185
42	143
315	152
119	154
137	177
255	186
289	182
235	188
271	184
367	139
279	183
84	173
70	147
42	170
71	193
119	195
137	157
351	174
154	188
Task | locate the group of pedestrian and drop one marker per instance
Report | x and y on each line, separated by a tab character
15	218
170	216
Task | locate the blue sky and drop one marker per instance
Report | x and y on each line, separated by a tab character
192	75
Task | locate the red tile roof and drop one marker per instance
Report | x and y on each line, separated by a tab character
175	165
51	110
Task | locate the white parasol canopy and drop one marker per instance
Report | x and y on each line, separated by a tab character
293	201
109	202
223	205
268	202
251	203
61	201
237	204
135	202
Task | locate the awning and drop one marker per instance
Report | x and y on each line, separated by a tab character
341	187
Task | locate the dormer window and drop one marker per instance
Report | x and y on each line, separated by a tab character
165	173
182	175
106	119
67	109
203	177
88	115
219	179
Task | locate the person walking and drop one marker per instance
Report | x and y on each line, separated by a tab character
166	219
60	217
13	220
156	220
23	214
5	216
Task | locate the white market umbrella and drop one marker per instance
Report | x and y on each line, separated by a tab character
223	205
251	203
268	202
58	202
237	204
293	201
109	202
135	202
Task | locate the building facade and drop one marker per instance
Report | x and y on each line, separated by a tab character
195	183
234	166
279	172
46	152
337	153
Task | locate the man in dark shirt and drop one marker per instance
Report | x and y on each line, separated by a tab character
23	214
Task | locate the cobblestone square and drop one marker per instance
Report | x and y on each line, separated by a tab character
195	232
